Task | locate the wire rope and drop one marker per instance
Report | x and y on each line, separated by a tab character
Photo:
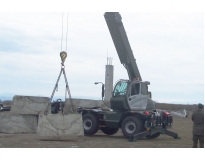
62	33
67	32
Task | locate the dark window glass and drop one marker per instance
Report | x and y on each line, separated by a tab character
135	89
144	89
120	89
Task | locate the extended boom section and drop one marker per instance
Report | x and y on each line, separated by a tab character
119	37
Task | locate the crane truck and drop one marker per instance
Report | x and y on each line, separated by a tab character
131	107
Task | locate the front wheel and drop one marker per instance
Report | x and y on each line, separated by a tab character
90	123
131	125
109	131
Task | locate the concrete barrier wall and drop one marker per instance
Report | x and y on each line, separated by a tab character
7	103
84	103
14	123
176	107
29	104
37	105
57	125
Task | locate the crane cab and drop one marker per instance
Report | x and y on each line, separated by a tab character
131	96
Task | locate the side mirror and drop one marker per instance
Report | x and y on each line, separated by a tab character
150	95
103	91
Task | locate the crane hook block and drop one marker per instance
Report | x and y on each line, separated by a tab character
63	56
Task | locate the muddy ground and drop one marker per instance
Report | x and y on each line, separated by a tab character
182	126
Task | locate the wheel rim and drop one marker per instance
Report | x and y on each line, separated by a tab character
87	124
130	127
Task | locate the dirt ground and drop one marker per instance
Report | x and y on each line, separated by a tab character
182	126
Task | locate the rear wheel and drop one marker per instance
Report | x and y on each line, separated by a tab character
109	131
153	136
90	123
131	125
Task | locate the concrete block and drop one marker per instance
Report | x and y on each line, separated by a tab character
7	103
83	103
14	123
57	125
29	104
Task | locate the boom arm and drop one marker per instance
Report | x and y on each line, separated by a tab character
119	37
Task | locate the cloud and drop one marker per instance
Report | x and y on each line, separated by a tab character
168	48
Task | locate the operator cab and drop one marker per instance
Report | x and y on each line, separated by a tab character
132	96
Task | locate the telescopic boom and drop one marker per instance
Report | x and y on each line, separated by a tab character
119	37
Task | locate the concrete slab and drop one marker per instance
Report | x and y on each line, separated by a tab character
15	123
7	102
29	104
83	103
57	125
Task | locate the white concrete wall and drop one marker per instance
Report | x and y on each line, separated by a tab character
7	103
23	117
29	104
83	103
57	125
14	123
37	105
109	69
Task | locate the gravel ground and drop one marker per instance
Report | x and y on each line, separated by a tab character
182	126
102	146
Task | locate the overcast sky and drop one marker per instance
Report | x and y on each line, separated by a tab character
168	48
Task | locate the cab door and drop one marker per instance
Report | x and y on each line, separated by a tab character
144	96
134	96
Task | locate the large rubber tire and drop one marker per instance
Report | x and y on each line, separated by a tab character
131	125
109	131
90	123
153	136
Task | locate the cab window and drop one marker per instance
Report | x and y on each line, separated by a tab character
144	89
135	89
120	89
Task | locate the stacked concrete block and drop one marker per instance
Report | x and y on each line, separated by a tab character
27	116
29	104
176	107
23	116
7	103
57	125
14	123
84	103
